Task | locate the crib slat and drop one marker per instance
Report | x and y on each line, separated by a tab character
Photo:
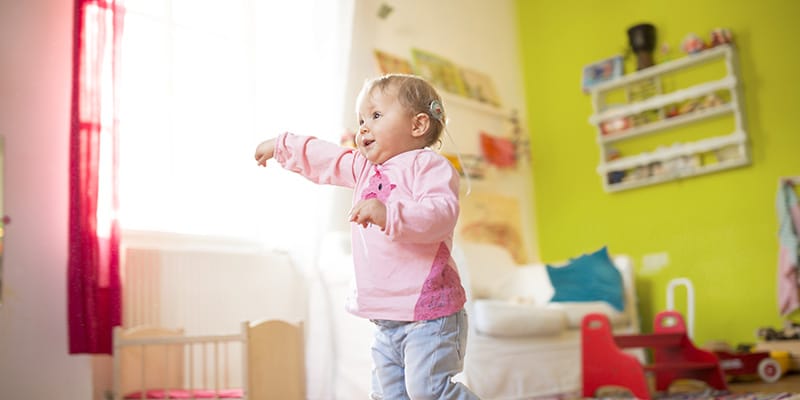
166	362
142	388
245	350
204	365
216	370
191	368
225	355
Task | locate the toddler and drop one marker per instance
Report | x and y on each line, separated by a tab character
405	207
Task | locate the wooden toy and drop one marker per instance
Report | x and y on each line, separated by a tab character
674	357
743	363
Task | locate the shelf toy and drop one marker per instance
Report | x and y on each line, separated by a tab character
692	44
720	36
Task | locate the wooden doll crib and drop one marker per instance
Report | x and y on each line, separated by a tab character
265	360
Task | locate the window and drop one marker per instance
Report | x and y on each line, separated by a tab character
202	83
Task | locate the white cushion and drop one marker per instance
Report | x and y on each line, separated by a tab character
487	264
529	283
508	319
575	311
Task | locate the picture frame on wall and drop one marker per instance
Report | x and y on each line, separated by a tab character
601	71
391	64
438	71
479	86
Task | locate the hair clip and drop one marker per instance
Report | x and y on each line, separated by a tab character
436	110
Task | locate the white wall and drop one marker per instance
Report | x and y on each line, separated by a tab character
35	71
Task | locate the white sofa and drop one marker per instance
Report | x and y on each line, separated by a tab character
521	345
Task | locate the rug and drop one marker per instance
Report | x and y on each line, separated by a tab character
703	395
717	395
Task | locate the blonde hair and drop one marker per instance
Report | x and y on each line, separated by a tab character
416	95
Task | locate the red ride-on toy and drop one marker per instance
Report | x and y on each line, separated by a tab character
748	364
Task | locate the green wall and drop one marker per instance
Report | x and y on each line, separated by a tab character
719	230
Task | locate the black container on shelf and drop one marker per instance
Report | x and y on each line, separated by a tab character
642	38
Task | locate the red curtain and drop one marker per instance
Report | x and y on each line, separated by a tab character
94	293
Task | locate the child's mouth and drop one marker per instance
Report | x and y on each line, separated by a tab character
367	142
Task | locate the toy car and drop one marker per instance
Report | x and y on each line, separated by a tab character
755	363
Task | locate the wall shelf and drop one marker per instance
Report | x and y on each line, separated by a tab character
660	101
669	123
617	123
689	172
673	152
692	60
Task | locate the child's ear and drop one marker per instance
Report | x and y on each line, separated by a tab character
420	124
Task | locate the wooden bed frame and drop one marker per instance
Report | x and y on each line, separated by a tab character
158	363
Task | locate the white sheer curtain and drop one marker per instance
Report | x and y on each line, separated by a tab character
203	82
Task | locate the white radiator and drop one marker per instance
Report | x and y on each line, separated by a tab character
208	289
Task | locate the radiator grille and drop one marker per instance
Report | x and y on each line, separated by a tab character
208	291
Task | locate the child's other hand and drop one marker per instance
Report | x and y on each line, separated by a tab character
264	151
370	211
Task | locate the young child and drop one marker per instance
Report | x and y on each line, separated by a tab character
405	207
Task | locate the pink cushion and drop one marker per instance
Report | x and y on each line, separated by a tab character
187	394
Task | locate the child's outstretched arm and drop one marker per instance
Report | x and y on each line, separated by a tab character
317	160
265	151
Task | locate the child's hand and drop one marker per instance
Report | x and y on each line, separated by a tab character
370	211
264	151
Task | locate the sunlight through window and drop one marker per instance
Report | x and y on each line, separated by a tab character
203	82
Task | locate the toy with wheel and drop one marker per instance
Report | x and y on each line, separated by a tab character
748	364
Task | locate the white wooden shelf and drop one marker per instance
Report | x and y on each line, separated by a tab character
675	151
658	102
669	123
678	174
692	60
668	162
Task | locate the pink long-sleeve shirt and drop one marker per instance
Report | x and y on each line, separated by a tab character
405	272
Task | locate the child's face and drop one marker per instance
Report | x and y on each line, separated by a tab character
385	127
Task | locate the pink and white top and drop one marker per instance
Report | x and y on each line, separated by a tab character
405	272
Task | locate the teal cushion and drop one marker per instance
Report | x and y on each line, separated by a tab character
590	277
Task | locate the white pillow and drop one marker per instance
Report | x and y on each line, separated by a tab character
575	311
507	319
486	264
529	283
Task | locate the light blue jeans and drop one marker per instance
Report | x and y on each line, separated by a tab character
417	360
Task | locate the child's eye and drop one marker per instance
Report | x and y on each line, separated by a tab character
360	122
376	115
